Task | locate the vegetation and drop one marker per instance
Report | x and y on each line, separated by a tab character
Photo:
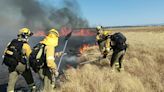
143	67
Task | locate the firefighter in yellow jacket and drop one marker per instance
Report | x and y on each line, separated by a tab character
16	58
103	40
49	69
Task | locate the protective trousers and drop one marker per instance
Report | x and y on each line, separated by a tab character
13	76
48	79
117	58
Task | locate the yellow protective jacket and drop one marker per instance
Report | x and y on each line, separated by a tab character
102	36
51	41
26	50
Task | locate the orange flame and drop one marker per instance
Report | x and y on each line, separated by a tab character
83	32
79	32
39	33
64	31
84	48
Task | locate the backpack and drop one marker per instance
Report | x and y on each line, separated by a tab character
118	38
118	42
13	53
37	57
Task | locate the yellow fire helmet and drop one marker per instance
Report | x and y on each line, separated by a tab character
54	31
25	31
99	28
52	38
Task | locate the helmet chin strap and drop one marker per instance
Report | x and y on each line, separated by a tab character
23	38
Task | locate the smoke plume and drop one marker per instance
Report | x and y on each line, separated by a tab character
68	15
37	15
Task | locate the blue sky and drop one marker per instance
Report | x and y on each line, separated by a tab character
122	12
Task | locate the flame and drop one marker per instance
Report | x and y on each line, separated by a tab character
39	33
83	32
79	32
84	48
64	31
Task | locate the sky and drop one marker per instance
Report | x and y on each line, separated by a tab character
121	12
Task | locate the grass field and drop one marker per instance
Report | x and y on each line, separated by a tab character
143	66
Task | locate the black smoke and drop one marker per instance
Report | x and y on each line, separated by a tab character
36	15
33	13
69	15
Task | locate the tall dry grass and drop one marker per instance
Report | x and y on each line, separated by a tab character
143	64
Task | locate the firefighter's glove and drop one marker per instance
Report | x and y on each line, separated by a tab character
108	37
110	48
55	72
107	49
59	54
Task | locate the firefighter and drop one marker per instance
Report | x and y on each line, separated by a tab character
119	46
16	57
103	40
49	71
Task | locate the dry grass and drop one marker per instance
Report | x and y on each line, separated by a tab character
143	72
